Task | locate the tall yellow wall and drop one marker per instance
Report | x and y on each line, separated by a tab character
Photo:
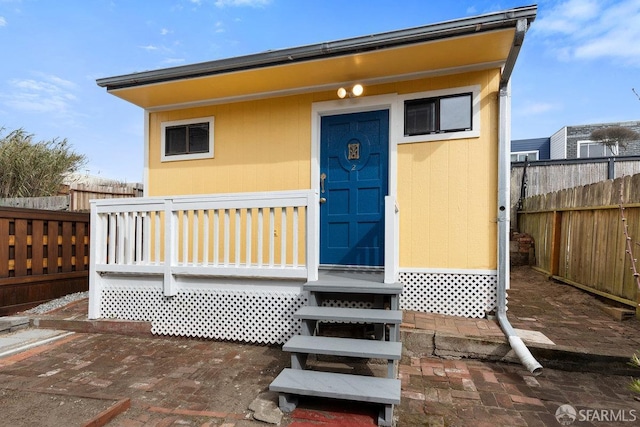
447	190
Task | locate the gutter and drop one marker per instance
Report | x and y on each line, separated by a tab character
504	167
454	28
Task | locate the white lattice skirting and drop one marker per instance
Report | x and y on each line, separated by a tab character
257	316
455	294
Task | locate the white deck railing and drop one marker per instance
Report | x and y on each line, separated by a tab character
391	239
270	234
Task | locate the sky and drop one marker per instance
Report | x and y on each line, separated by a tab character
579	64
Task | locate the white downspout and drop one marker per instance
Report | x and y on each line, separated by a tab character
504	203
504	168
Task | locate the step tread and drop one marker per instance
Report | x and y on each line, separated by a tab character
350	347
353	287
341	314
337	386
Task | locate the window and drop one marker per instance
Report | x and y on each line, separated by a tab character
595	149
521	156
187	139
441	114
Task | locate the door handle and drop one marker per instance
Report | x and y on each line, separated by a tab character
323	176
323	200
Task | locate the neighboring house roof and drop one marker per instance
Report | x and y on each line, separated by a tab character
486	41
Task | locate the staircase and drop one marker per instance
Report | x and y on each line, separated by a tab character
340	288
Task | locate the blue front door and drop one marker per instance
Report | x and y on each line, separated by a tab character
354	157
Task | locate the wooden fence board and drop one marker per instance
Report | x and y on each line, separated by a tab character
37	247
52	247
67	245
4	247
20	248
80	247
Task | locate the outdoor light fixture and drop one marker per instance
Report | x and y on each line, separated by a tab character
355	91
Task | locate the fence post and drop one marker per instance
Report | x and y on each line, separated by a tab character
556	250
611	168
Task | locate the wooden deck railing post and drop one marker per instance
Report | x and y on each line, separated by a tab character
97	252
170	247
313	236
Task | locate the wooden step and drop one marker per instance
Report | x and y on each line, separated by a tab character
349	347
337	286
340	314
337	386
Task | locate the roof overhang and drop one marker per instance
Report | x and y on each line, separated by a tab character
486	41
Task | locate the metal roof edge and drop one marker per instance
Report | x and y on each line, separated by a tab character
458	27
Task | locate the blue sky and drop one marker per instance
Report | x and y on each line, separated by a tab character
578	65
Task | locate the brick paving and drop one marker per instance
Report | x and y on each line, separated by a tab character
191	382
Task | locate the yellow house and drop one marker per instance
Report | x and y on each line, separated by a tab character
383	154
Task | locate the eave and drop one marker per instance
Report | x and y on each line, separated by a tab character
470	43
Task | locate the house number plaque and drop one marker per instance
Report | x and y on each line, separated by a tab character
354	151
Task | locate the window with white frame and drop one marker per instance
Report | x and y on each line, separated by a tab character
442	114
588	149
187	139
521	156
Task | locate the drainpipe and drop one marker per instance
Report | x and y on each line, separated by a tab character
504	167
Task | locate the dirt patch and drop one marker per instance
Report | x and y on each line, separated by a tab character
31	408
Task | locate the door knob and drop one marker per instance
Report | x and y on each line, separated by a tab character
323	200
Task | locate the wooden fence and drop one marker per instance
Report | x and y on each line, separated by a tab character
43	255
546	176
579	236
81	194
76	197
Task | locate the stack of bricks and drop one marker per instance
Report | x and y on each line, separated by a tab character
521	249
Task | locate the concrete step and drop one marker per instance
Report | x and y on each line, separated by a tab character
349	347
337	386
13	323
339	314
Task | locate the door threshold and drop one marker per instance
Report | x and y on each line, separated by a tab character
356	268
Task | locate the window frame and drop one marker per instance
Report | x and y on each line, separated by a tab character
440	94
526	153
186	156
605	148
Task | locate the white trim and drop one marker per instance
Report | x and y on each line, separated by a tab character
448	271
590	142
536	152
180	157
146	144
475	118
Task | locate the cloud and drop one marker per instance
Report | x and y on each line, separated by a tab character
3	21
149	47
590	30
220	27
165	31
250	3
44	94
